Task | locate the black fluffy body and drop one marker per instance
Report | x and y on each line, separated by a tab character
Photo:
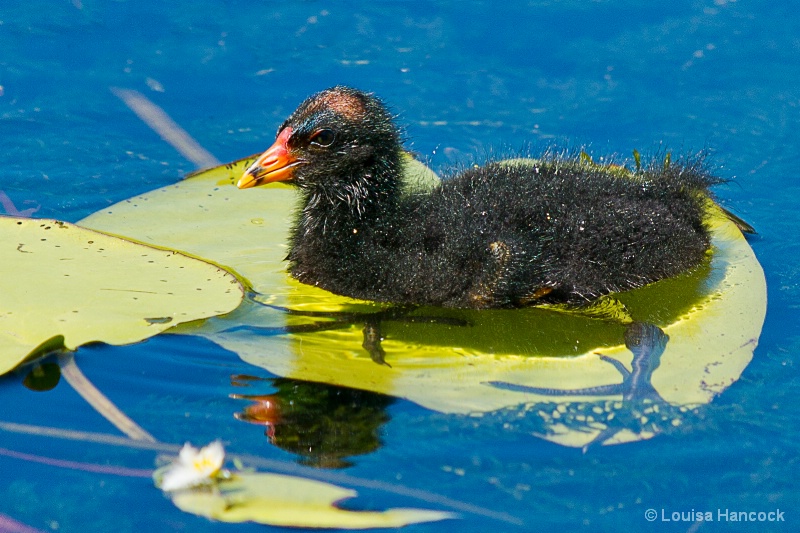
503	235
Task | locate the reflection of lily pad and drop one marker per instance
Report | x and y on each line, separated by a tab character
63	286
281	500
503	358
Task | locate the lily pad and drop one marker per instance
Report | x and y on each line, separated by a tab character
281	500
64	286
462	361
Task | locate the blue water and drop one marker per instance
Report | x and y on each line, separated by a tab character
467	79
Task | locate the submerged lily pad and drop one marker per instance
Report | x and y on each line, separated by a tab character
64	286
459	361
281	500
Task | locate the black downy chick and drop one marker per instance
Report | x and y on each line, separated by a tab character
502	235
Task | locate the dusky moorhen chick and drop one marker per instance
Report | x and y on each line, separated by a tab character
502	235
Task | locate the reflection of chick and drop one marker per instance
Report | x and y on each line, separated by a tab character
324	424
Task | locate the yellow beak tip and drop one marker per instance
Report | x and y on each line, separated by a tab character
245	181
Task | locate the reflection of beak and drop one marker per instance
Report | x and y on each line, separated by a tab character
265	410
276	164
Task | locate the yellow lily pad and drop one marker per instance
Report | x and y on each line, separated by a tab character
281	500
456	361
64	286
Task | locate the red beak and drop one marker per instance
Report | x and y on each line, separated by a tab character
276	164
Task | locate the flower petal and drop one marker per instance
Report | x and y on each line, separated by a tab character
193	467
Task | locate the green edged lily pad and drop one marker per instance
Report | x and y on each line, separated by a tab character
464	361
64	286
281	500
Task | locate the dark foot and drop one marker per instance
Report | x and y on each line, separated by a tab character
647	342
372	341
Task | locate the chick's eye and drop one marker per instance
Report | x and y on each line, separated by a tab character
323	138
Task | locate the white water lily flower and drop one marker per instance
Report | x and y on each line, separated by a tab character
193	467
